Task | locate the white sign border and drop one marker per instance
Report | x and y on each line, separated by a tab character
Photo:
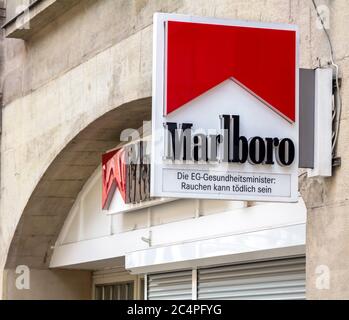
159	90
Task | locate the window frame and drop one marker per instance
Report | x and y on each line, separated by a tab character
114	278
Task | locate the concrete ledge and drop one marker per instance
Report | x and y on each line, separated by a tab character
39	14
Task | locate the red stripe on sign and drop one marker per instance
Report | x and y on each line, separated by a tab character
113	176
201	56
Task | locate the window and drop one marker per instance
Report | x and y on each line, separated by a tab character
142	288
175	285
116	291
281	279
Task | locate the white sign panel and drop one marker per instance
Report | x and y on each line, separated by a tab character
225	110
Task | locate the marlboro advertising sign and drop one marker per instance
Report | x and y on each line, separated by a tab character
127	171
225	109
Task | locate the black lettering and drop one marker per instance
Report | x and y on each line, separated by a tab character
240	143
257	150
178	145
286	152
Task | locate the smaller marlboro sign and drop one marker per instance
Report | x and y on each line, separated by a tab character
126	171
225	109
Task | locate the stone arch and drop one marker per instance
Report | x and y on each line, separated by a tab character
56	192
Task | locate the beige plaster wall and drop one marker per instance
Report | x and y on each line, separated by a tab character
49	285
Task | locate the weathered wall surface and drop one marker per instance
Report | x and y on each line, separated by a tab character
327	198
97	56
50	285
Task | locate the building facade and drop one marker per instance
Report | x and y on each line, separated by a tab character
74	75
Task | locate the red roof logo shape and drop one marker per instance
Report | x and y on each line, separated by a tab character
200	56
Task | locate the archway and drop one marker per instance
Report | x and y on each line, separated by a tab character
58	188
56	192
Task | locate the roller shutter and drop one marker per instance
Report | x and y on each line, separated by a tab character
277	279
171	285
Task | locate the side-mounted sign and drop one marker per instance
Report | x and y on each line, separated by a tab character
225	109
126	170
